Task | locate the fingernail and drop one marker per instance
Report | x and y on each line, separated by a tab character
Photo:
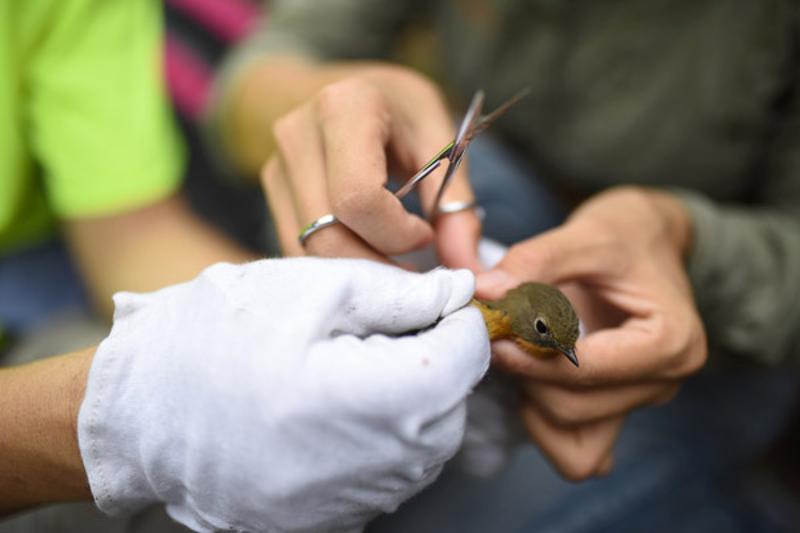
493	281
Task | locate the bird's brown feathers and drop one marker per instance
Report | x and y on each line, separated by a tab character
514	316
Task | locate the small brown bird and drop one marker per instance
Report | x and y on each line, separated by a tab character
537	317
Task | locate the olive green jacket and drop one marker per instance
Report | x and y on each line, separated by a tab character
695	95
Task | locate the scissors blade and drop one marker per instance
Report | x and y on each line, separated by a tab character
472	116
462	140
422	173
471	125
486	120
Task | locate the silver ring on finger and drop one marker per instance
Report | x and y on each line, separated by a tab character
320	223
449	208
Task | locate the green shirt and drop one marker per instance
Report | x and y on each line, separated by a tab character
85	129
696	95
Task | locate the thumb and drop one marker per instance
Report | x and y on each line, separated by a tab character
389	300
568	253
428	374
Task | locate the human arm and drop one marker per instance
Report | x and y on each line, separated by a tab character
277	395
40	461
745	274
746	255
145	249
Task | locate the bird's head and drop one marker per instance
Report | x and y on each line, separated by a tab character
542	317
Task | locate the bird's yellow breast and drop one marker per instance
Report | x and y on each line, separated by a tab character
497	322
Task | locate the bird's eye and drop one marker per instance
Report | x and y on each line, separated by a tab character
540	326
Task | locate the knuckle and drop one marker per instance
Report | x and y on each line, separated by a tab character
683	339
286	130
331	98
562	409
632	196
429	89
269	173
520	258
604	236
579	467
588	378
355	204
412	81
337	98
566	413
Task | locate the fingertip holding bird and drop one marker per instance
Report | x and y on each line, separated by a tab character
494	284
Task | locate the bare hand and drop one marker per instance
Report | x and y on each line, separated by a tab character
333	156
619	258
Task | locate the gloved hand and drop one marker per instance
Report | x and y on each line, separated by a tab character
282	395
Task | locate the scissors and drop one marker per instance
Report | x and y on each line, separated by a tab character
471	125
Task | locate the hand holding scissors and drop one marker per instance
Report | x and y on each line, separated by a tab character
333	162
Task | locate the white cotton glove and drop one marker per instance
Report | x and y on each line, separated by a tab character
494	429
282	395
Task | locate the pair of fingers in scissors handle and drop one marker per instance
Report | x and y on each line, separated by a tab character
472	124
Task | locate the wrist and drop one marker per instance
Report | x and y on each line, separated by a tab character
40	460
676	218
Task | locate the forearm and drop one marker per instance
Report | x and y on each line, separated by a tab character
263	92
40	461
147	249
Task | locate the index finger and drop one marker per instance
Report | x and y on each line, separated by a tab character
356	127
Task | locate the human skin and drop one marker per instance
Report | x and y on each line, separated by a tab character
323	142
620	258
40	461
142	250
145	249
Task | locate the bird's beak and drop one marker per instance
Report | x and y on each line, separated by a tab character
570	354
